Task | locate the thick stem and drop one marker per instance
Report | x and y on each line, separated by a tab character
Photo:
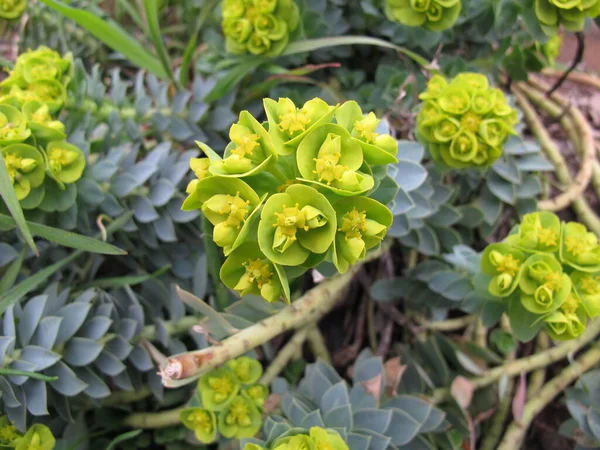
161	419
515	434
538	377
449	324
187	367
530	363
317	344
284	356
578	77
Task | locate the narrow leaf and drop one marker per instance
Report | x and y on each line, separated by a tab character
7	192
11	274
119	282
232	78
113	36
151	10
204	308
21	373
191	45
123	437
66	238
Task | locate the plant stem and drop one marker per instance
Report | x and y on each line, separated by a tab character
187	367
494	432
530	363
214	261
515	434
161	419
317	344
539	376
284	356
449	324
578	77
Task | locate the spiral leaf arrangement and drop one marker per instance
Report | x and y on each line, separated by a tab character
433	15
260	27
549	272
41	164
464	122
231	400
295	195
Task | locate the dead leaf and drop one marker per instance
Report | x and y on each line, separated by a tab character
519	399
462	390
272	402
393	375
373	386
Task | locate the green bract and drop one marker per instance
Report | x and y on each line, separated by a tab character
248	271
65	161
288	125
260	27
544	288
229	204
538	232
12	9
329	157
579	248
13	126
569	13
362	225
434	15
587	290
568	322
464	123
317	438
246	369
202	422
295	224
41	123
218	388
38	437
258	393
503	263
240	419
25	166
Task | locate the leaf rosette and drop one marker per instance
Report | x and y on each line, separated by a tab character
433	15
296	223
579	248
259	27
362	225
464	123
248	271
330	158
503	263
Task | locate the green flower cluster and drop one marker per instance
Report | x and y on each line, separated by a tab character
12	9
434	15
298	439
37	437
464	122
553	267
261	27
232	402
569	13
32	140
293	193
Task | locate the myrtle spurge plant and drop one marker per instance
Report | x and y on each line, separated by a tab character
297	438
295	195
32	140
434	15
37	437
260	27
569	13
12	9
231	402
551	269
464	122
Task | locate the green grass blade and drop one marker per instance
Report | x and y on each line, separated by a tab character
310	45
10	275
7	192
133	13
32	282
123	437
233	77
119	282
21	373
113	36
151	10
66	238
191	45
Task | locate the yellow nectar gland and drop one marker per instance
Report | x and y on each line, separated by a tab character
328	169
61	157
590	284
470	122
8	130
366	127
239	413
246	145
354	224
17	165
571	305
236	210
508	264
576	245
290	220
553	281
201	420
41	115
8	433
260	273
294	120
222	386
547	236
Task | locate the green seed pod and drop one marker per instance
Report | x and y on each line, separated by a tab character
464	123
434	15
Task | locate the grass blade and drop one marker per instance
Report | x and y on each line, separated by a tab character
123	437
119	282
66	238
10	275
151	10
7	191
113	36
191	45
310	45
232	78
21	373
